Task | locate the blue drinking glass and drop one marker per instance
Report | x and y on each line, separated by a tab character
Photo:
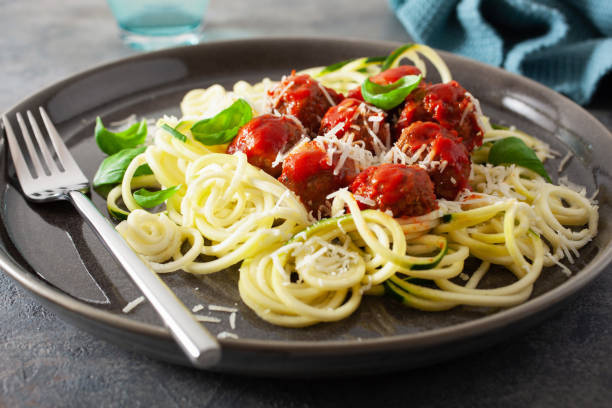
153	24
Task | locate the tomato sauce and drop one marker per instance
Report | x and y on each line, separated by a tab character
447	105
438	119
406	191
308	172
303	97
263	138
359	119
444	147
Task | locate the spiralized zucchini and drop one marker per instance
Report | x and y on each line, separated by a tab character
238	208
296	271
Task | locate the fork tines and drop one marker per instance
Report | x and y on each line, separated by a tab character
39	160
45	170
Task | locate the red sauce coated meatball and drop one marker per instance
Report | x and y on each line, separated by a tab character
443	146
446	104
386	77
404	190
308	172
304	98
263	138
366	123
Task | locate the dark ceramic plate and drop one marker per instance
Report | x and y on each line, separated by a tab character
49	250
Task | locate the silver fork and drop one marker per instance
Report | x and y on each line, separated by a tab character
64	180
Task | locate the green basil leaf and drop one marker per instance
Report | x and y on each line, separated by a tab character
143	170
513	150
111	170
224	126
389	96
111	143
394	55
174	132
149	199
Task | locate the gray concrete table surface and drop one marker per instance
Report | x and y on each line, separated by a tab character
564	362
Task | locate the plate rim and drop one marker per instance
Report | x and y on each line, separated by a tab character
407	341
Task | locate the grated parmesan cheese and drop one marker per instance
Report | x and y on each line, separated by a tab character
217	308
364	200
417	155
227	335
329	98
296	121
280	156
564	161
480	117
207	319
232	320
131	305
361	157
332	258
282	92
442	166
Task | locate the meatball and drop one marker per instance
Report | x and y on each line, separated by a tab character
303	97
312	176
448	161
446	104
263	138
386	77
363	122
403	190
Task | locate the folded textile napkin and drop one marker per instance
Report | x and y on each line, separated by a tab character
564	44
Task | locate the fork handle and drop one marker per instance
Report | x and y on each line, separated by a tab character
198	343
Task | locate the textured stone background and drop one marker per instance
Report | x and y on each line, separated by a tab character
565	361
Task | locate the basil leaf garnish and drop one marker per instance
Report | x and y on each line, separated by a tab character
394	55
111	170
174	132
149	199
512	150
389	96
222	127
111	142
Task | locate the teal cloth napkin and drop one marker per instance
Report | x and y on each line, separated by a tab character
564	44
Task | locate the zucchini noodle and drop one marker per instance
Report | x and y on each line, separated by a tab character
412	53
353	74
208	102
236	207
296	271
334	262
